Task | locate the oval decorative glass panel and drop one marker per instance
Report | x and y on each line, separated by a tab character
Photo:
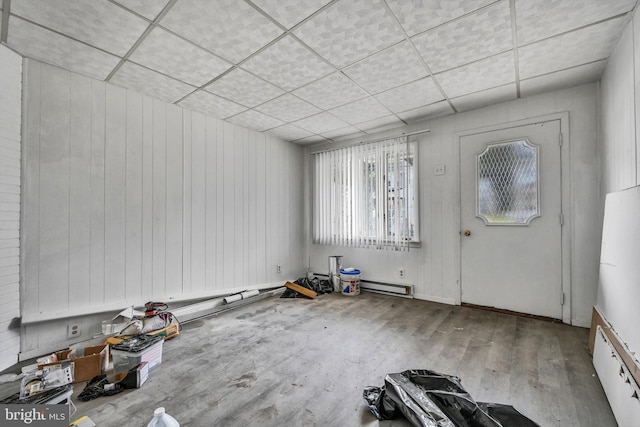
507	183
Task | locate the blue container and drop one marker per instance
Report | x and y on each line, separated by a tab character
350	282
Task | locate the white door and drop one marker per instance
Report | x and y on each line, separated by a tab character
511	232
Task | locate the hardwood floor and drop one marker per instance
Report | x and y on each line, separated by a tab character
298	362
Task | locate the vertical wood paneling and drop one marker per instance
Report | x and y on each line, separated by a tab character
115	191
187	225
229	195
97	165
147	198
54	192
133	196
213	216
252	210
261	209
80	192
10	123
200	238
220	204
174	201
239	177
159	198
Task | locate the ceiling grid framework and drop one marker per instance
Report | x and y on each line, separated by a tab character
313	71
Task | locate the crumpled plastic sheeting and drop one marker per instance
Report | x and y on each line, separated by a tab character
430	399
318	286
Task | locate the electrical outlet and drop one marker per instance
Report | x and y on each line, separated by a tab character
439	169
401	273
73	330
278	269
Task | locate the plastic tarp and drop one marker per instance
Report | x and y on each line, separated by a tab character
318	286
430	399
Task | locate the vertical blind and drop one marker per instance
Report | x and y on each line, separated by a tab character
361	195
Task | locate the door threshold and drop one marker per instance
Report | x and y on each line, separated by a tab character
513	313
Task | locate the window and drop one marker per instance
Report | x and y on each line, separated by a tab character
366	195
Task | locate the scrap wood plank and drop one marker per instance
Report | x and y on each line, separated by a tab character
301	290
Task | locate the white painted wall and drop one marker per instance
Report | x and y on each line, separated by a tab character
432	268
129	199
10	110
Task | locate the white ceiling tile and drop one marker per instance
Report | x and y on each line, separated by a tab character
321	123
331	91
171	55
392	67
486	97
290	132
568	50
211	105
483	33
411	95
147	8
361	111
349	131
290	12
484	74
288	108
420	15
563	79
536	20
438	109
99	23
311	140
229	28
255	120
348	31
380	124
288	64
38	43
243	88
156	85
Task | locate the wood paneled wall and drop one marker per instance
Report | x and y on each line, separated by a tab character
10	107
130	199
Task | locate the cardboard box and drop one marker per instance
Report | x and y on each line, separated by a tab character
92	364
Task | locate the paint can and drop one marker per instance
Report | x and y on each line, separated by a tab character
335	265
350	279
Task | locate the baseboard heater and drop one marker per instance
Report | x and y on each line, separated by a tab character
395	289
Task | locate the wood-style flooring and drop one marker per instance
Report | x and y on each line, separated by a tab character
300	362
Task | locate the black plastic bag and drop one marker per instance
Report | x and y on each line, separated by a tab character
318	286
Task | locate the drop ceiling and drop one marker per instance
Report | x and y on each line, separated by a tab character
315	70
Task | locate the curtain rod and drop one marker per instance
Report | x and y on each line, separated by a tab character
418	132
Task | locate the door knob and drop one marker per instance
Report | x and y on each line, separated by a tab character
467	233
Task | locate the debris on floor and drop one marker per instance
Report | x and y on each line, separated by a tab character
430	399
302	286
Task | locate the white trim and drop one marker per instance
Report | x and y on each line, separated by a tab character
432	298
566	198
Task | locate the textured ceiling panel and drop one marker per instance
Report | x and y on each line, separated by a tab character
147	8
38	43
344	133
150	83
438	109
331	91
243	88
288	64
485	74
361	111
478	35
380	124
321	123
569	50
255	120
420	15
290	12
229	28
563	79
312	140
211	105
288	108
536	20
290	132
393	67
410	96
484	98
171	55
99	23
347	31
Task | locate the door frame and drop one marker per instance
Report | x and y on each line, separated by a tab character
565	194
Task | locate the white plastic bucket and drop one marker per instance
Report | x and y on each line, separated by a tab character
350	282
